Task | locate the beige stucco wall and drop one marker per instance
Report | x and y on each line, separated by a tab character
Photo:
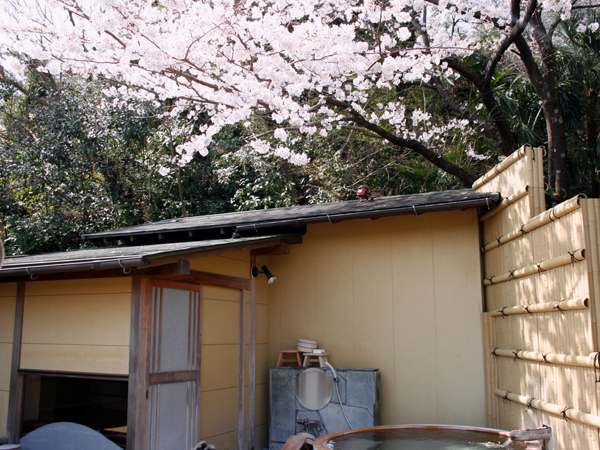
77	325
401	294
8	302
220	349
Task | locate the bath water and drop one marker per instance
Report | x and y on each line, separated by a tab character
424	439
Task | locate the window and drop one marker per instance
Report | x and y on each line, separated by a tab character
96	402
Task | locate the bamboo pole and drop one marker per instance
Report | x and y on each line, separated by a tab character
594	230
532	181
591	238
590	361
538	221
485	328
564	305
552	214
537	191
541	188
494	378
563	411
505	203
498	169
576	256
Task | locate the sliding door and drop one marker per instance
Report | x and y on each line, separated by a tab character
174	367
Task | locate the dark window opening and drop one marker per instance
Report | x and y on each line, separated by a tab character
100	404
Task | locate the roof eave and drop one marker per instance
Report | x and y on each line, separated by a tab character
416	210
487	200
35	269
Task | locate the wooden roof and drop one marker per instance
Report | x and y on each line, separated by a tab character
242	223
126	258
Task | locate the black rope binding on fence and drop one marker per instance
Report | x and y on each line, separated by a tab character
501	311
530	406
597	367
516	353
511	275
557	306
522	230
564	412
526	308
573	259
505	398
539	266
494	352
544	355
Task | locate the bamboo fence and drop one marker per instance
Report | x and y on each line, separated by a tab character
542	292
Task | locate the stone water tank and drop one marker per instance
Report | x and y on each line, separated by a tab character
359	391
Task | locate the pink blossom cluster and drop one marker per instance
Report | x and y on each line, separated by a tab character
231	59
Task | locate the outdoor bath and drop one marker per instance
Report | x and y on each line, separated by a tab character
418	437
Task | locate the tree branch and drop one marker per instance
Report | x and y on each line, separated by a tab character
516	31
416	146
464	112
5	79
506	139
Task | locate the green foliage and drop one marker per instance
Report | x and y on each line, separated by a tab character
580	99
78	161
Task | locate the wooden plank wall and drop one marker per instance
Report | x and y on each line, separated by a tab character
569	332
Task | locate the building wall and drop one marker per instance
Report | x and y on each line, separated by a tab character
77	326
84	326
400	294
8	302
220	349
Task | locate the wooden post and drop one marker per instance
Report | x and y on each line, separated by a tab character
15	396
139	347
252	360
241	369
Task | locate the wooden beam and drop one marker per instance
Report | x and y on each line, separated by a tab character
174	259
224	250
139	348
108	273
90	375
199	353
15	396
241	368
281	249
211	279
252	359
181	267
173	377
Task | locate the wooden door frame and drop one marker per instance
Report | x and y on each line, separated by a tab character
15	395
139	353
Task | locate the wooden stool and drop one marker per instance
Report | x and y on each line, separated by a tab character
282	357
321	358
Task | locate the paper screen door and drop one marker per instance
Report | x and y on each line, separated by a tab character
174	368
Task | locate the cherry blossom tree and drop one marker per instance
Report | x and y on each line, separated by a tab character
306	67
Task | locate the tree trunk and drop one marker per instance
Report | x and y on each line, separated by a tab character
545	83
592	132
